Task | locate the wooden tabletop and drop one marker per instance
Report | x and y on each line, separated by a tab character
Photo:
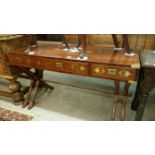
98	54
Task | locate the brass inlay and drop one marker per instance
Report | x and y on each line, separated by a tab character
135	66
112	71
97	70
125	73
103	71
82	68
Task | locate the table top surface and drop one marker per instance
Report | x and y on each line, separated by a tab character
98	54
148	58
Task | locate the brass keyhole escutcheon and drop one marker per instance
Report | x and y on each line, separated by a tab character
112	71
59	65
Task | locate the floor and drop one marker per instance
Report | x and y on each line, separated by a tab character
66	103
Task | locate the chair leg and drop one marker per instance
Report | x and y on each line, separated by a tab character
126	44
115	40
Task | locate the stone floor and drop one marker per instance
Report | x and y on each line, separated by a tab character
71	103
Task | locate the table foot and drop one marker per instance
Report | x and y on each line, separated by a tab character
114	107
123	108
36	82
124	100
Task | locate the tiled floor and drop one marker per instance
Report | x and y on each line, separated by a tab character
70	103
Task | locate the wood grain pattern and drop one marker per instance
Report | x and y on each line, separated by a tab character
53	57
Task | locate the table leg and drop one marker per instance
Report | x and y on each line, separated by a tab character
115	102
27	98
135	102
33	95
124	101
39	73
35	84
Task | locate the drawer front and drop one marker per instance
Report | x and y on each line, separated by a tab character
26	61
67	67
77	68
113	72
18	60
72	67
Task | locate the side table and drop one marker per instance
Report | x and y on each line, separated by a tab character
145	84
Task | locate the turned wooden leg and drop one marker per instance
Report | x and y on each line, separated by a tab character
39	73
35	84
115	40
115	102
79	41
27	98
33	94
64	41
124	101
126	44
135	102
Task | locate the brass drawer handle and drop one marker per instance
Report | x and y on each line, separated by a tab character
112	71
59	65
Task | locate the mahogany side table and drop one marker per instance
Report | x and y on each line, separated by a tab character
104	63
145	84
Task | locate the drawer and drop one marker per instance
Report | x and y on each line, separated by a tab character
77	68
18	60
113	72
71	67
49	64
26	61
